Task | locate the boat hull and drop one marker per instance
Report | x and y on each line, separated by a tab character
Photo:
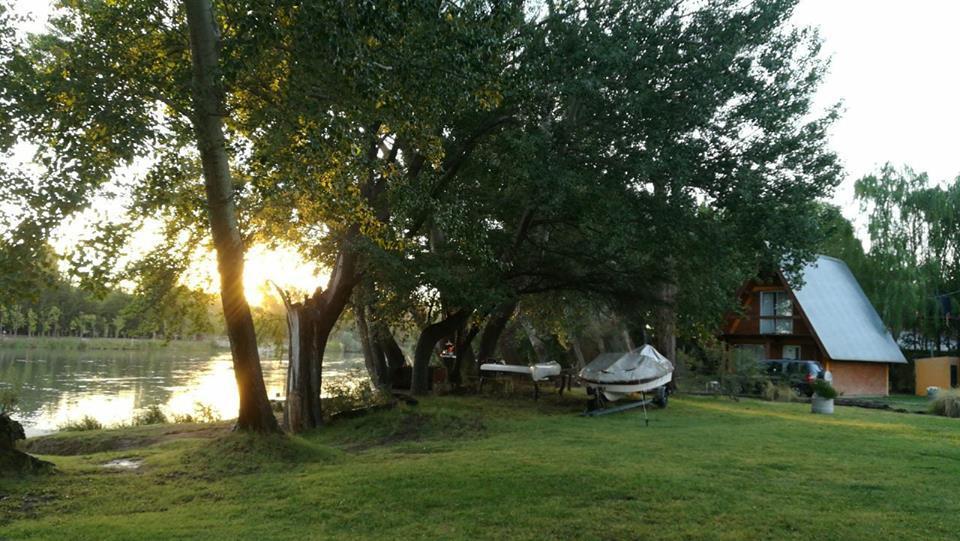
614	391
537	372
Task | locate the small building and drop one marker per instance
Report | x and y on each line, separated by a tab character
828	319
936	372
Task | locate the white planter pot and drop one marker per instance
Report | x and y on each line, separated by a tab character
821	405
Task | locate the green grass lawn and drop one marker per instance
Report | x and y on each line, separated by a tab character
908	402
483	468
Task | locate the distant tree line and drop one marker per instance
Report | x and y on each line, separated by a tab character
62	309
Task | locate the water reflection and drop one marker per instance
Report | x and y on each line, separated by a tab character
55	387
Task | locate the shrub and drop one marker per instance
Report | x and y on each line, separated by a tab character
8	401
182	419
151	415
202	413
353	391
778	393
746	378
947	403
84	424
823	389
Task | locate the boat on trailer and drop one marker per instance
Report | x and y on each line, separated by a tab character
613	376
538	373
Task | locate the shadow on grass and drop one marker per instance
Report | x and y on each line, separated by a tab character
402	425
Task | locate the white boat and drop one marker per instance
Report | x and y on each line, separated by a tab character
616	375
537	372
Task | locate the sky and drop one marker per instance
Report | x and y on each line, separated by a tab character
893	67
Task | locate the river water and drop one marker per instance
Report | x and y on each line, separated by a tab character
54	387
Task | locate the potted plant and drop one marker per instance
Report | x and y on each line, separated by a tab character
823	395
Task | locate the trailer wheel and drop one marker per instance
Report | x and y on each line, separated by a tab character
661	399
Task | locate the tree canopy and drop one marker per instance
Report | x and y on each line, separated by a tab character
446	161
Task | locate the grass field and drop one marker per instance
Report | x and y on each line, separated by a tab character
907	402
483	468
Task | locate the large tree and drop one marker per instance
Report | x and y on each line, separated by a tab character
667	148
327	108
706	110
208	108
371	102
112	83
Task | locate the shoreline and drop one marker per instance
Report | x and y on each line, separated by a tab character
67	343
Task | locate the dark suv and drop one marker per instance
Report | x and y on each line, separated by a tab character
799	375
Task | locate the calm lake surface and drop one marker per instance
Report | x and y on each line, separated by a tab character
58	386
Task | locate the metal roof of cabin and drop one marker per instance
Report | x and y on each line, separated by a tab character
842	316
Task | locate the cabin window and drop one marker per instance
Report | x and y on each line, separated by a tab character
776	312
791	353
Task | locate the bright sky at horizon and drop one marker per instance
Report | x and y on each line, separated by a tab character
890	67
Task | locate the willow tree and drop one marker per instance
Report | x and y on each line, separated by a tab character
914	233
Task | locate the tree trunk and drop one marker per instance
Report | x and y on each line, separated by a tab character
391	350
333	301
315	319
665	324
429	337
302	409
538	346
373	354
628	340
12	460
255	412
464	351
493	330
578	352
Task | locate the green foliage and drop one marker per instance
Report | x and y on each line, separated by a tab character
778	392
913	232
62	309
841	241
351	392
468	154
151	415
86	423
8	400
823	389
947	403
706	357
742	375
202	413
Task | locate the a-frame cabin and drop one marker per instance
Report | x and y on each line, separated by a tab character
828	319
